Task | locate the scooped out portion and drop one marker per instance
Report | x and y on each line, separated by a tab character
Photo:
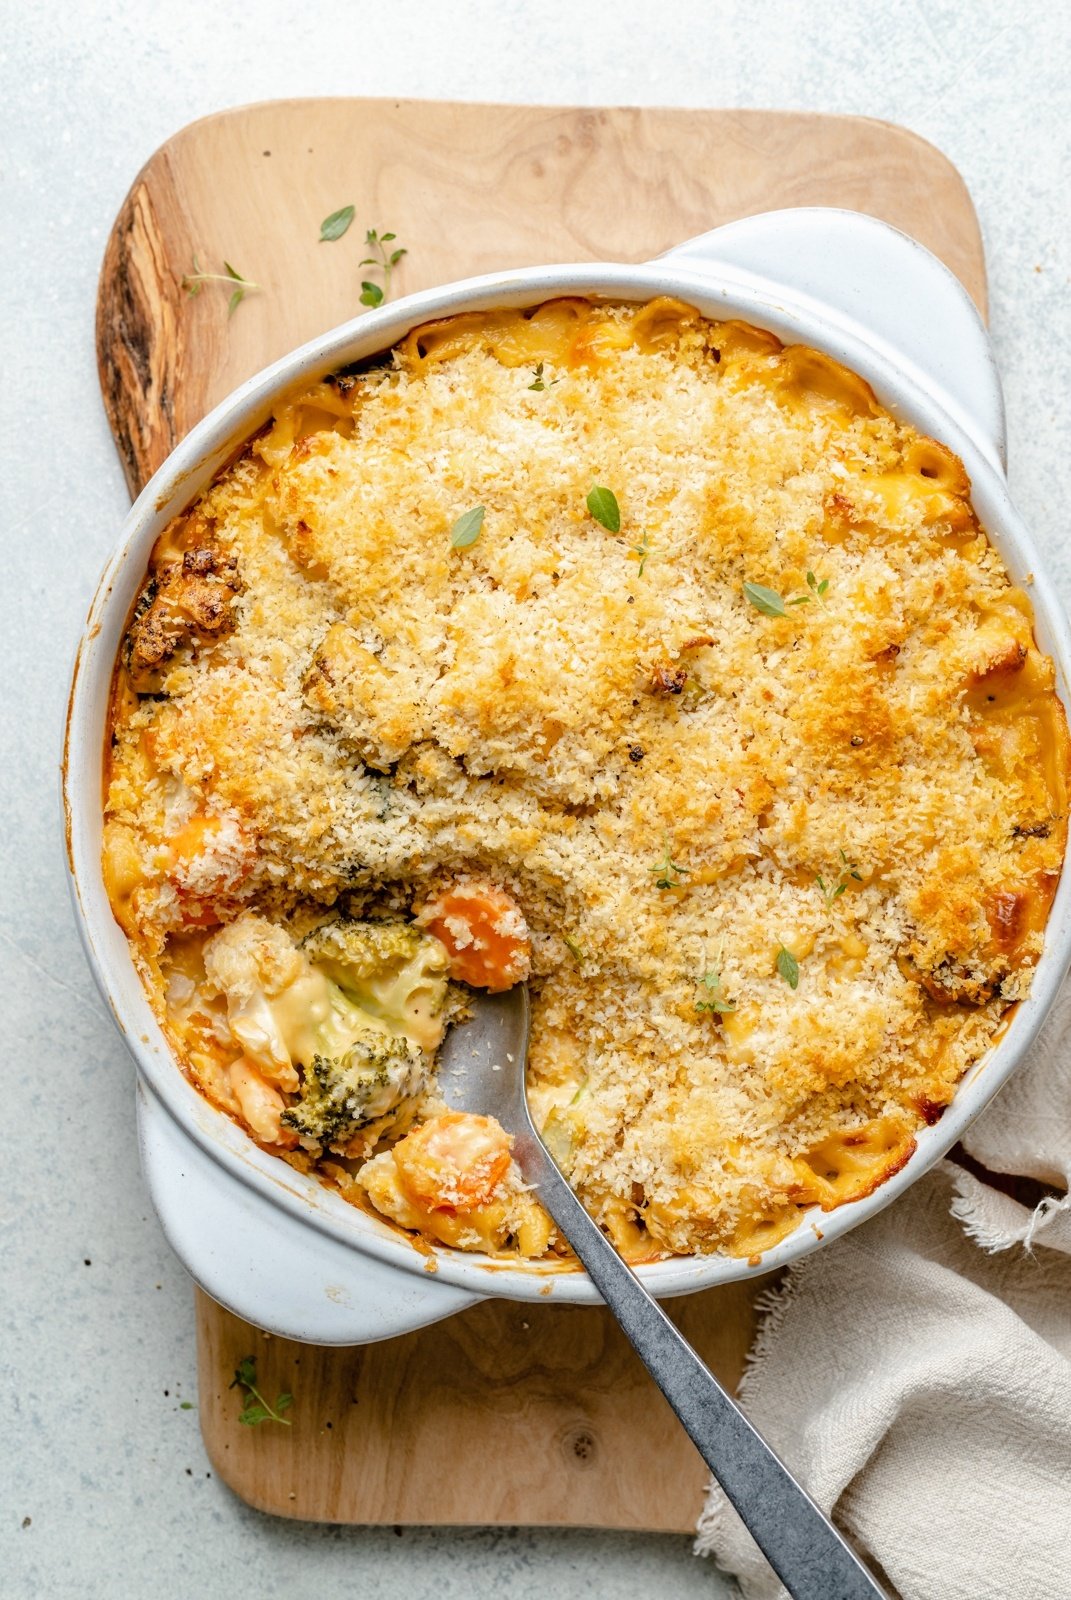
325	1045
337	1030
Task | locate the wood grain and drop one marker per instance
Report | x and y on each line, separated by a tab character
506	1413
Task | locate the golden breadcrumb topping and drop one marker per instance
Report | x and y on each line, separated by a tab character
756	737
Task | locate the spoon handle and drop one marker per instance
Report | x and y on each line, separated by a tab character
797	1539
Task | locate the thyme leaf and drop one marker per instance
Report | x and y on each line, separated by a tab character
466	529
334	226
788	967
602	503
768	601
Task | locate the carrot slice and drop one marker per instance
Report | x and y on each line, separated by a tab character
454	1162
484	931
209	858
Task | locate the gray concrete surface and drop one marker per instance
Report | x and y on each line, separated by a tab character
104	1487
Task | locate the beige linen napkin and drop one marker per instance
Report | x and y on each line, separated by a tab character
916	1375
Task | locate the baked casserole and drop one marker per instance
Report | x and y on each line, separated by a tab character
622	651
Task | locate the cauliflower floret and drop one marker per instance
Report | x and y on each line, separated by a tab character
251	962
252	954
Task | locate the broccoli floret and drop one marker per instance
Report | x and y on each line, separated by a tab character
350	951
364	1072
391	969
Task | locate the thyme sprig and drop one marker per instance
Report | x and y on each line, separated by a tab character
539	383
667	871
833	891
384	261
771	604
714	997
193	282
256	1408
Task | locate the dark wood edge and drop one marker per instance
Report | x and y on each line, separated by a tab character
139	334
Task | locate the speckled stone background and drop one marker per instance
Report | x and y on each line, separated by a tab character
104	1486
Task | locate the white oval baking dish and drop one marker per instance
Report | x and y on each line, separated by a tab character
282	1250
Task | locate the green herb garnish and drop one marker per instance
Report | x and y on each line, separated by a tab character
768	601
817	591
578	955
540	383
373	294
186	1405
667	871
257	1409
334	226
642	551
193	282
713	999
833	891
602	503
466	529
788	967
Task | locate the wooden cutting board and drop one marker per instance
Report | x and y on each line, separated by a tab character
505	1413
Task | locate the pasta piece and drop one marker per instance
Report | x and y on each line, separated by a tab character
852	1164
260	1104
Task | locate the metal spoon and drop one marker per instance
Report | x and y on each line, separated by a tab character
481	1068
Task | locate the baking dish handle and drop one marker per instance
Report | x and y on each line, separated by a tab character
894	292
259	1262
